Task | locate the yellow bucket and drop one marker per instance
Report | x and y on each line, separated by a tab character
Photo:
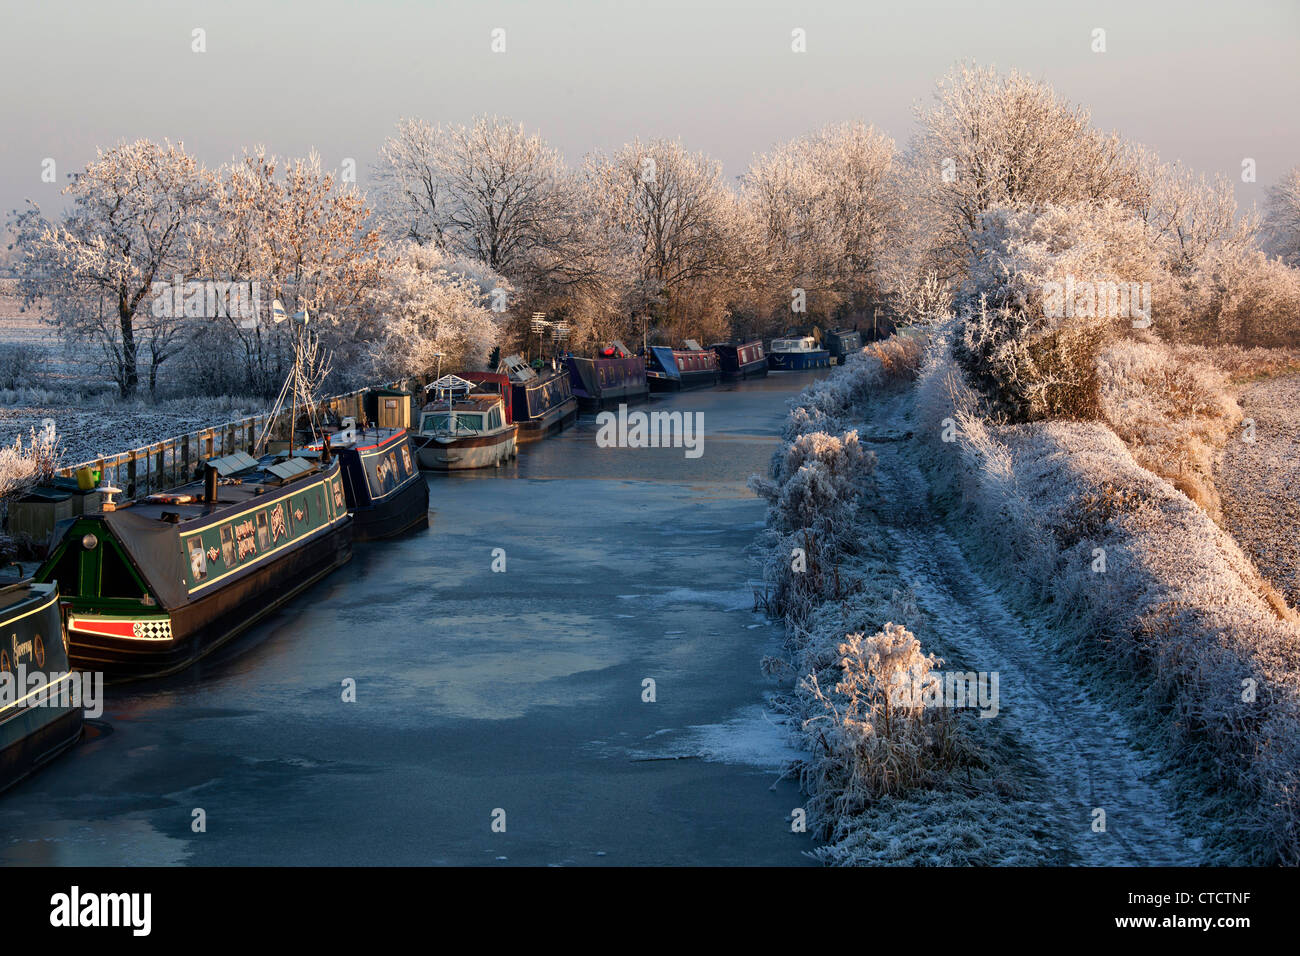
87	478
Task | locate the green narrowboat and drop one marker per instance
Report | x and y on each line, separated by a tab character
151	586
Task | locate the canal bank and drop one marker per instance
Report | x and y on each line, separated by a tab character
477	691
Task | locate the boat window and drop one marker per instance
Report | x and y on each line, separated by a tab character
467	423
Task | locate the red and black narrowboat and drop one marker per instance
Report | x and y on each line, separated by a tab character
40	717
613	377
676	370
151	586
382	485
741	360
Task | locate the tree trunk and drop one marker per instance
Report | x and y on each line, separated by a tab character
130	373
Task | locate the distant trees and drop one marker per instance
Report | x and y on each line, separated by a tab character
825	209
133	212
673	234
1005	188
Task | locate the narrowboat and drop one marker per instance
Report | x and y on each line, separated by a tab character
463	429
37	723
151	586
841	343
794	354
741	360
540	403
382	485
613	377
676	370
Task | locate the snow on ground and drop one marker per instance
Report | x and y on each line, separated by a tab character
1259	482
1059	750
1080	747
107	427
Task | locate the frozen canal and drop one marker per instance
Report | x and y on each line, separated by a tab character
476	691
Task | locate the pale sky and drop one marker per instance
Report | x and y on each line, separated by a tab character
1207	83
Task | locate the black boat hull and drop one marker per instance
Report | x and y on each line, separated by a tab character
407	509
24	751
555	419
753	369
36	723
204	625
701	378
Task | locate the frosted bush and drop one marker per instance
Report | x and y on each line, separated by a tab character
24	466
872	737
1173	414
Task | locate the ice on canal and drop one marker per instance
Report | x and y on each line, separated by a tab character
477	691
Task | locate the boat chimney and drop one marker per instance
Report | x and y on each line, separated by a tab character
325	451
209	485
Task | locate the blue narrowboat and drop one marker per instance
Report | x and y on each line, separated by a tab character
795	354
613	377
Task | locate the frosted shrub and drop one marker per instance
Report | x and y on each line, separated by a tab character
824	404
21	467
1173	414
872	736
816	484
1030	368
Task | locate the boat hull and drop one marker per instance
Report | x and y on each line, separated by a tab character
385	492
698	378
199	628
406	509
464	454
26	749
554	419
798	361
606	383
32	736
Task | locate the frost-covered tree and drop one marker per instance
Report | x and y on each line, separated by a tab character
307	239
1188	215
133	213
431	303
489	191
824	211
673	232
993	139
1282	221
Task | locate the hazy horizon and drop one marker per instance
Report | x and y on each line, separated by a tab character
1201	83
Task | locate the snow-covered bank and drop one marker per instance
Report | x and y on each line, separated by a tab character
94	427
1157	607
886	784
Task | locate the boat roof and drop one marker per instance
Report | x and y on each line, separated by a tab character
14	597
372	436
476	401
270	474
